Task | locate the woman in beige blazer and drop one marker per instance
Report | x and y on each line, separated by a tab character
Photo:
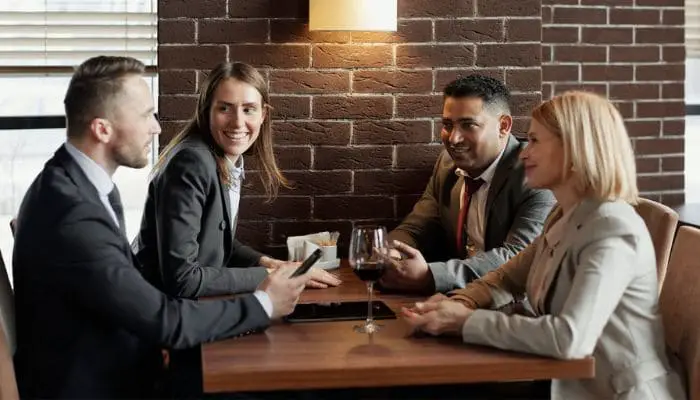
590	278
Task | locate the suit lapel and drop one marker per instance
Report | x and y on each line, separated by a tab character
510	157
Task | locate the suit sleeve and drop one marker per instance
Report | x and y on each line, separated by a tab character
98	275
181	195
243	256
423	222
605	268
527	225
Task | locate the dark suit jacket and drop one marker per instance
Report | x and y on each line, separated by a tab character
187	233
89	325
514	213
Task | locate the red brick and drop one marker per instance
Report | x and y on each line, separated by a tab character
580	53
674	72
411	31
520	8
255	208
399	81
168	131
647	165
418	106
643	128
660	182
560	34
547	15
293	158
673	53
432	8
290	107
413	56
417	156
632	91
268	8
297	31
614	3
673	91
444	77
660	109
253	232
674	127
400	182
232	31
176	31
524	80
626	109
673	17
319	182
176	108
177	81
634	53
547	93
522	104
349	56
309	81
311	133
523	30
282	230
271	55
659	146
673	164
599	88
584	16
660	35
344	107
547	53
607	73
520	126
469	30
517	55
606	35
391	132
354	207
354	158
631	16
673	199
192	9
190	57
661	3
560	73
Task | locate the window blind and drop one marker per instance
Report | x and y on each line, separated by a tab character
54	33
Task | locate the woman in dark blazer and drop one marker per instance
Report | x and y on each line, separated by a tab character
187	240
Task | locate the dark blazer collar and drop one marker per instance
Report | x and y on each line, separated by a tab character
76	174
508	161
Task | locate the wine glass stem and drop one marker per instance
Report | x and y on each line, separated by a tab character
370	287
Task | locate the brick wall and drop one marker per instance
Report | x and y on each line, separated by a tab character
631	51
355	113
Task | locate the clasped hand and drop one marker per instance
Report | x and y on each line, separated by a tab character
437	316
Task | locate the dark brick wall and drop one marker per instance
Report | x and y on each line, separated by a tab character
355	113
633	52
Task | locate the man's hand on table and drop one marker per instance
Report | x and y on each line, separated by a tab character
407	273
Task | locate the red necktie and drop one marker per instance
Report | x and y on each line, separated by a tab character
472	185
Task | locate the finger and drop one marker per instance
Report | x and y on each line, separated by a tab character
406	249
284	271
316	284
326	277
427	307
436	298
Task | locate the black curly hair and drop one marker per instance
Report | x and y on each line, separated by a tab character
493	92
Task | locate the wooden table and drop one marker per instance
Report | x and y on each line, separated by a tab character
331	355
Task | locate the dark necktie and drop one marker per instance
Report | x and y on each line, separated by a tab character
471	186
116	202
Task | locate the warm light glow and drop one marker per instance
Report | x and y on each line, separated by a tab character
352	15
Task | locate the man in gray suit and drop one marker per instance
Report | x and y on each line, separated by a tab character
476	212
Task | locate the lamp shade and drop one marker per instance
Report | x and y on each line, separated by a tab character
352	15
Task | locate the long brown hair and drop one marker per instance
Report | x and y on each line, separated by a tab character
270	175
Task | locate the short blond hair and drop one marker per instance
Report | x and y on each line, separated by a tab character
596	144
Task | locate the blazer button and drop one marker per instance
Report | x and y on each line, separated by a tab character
222	225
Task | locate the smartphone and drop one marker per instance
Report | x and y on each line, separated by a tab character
308	263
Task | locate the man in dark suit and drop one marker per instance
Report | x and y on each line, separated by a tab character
89	324
476	211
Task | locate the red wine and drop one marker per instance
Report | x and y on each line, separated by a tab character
370	271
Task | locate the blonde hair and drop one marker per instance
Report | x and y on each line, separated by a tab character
596	144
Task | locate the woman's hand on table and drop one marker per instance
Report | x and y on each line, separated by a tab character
320	279
437	316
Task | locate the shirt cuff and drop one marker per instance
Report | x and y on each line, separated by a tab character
441	276
265	301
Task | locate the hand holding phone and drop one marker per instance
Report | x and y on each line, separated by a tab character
307	264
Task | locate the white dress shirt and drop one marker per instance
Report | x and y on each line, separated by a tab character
237	174
476	218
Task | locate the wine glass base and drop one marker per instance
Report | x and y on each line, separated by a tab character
367	328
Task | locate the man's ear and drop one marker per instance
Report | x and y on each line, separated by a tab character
505	124
101	130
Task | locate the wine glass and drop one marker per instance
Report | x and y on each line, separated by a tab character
369	247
